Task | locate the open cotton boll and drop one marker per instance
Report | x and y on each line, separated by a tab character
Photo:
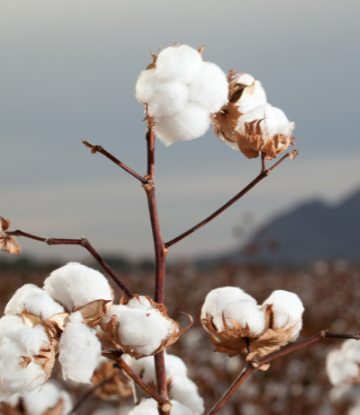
178	63
167	99
191	122
79	350
351	350
36	301
140	329
76	285
186	392
146	367
145	85
220	298
246	313
19	372
288	310
340	370
46	397
31	339
149	407
209	88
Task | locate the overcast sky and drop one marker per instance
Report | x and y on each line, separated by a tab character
68	71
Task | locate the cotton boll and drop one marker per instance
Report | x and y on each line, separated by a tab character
41	399
76	285
340	370
190	123
288	309
351	350
167	99
35	301
14	378
140	303
210	88
179	63
220	298
185	392
67	402
141	330
247	314
79	350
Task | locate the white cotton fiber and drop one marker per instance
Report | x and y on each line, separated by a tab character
76	285
35	301
44	398
190	123
79	350
140	327
339	369
351	350
186	392
288	310
233	303
146	367
209	88
149	407
179	63
169	99
181	92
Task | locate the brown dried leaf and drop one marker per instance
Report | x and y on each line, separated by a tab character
56	410
46	358
25	361
4	224
59	321
30	320
93	312
12	246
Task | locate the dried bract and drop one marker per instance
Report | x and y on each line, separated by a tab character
8	243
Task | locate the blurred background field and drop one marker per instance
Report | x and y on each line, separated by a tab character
294	384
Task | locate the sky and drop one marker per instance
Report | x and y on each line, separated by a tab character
68	73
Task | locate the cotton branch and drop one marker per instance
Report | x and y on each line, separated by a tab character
82	242
98	149
251	366
264	173
116	357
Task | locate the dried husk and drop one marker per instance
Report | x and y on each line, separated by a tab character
4	224
56	410
94	312
111	330
116	382
238	339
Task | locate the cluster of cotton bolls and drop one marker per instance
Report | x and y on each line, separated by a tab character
249	123
142	327
181	91
39	322
182	391
231	316
48	399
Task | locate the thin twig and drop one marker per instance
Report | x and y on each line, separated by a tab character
116	357
82	242
262	175
87	395
160	256
251	366
263	164
98	149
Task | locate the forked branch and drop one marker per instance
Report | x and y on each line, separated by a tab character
251	366
264	173
85	244
98	149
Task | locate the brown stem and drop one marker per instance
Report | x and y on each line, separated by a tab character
240	379
116	357
263	165
262	175
82	242
251	366
98	149
160	255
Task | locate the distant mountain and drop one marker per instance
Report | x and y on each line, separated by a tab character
309	232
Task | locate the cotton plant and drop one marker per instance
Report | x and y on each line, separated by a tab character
237	324
74	317
343	364
50	399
